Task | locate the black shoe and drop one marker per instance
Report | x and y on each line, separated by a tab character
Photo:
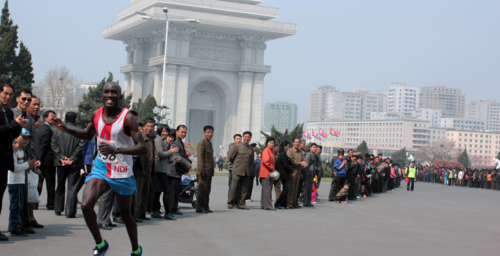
244	208
105	227
119	220
205	211
200	211
230	207
271	209
178	213
37	225
210	211
136	220
112	225
3	237
70	216
21	233
30	231
51	208
58	213
145	218
309	205
297	207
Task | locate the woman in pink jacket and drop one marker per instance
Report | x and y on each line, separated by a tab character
266	167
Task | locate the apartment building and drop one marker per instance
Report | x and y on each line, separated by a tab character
450	101
481	146
402	98
488	110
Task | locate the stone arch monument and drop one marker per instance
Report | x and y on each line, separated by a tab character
215	69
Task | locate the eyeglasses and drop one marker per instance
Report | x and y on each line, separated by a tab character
26	99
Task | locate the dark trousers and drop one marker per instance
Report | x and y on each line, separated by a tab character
282	200
203	196
238	182
105	206
384	185
173	194
412	181
351	194
3	186
250	187
390	185
308	185
16	197
153	200
142	195
49	175
27	219
337	184
299	190
71	174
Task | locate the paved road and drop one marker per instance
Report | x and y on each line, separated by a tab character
433	220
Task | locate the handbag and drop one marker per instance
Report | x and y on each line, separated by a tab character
33	196
274	175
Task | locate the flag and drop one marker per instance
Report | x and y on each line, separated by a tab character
306	134
322	133
314	134
334	133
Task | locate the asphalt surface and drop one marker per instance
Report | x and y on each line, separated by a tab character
432	220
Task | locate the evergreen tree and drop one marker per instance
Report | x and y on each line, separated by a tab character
8	45
22	71
137	105
399	157
146	108
279	137
464	158
498	155
93	101
363	148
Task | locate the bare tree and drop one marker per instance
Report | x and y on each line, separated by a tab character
438	150
58	89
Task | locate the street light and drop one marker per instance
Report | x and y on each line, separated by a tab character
149	17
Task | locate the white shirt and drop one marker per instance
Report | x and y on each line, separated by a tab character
20	166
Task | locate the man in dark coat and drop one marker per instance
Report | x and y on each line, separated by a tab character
10	127
46	157
205	170
68	159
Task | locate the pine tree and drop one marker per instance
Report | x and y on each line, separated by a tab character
363	148
22	71
8	45
399	157
146	108
464	158
279	136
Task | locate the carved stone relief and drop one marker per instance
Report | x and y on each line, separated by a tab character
212	54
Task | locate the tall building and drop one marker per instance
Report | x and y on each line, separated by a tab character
451	101
317	103
402	98
431	115
463	124
282	115
488	110
215	61
356	105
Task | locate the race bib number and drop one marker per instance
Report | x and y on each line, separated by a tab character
107	158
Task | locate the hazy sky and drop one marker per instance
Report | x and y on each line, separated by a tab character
357	43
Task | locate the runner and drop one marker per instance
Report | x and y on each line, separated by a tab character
119	138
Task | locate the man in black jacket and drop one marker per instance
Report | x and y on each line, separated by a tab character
46	157
352	173
10	127
68	159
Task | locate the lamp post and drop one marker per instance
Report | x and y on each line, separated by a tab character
161	113
149	17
